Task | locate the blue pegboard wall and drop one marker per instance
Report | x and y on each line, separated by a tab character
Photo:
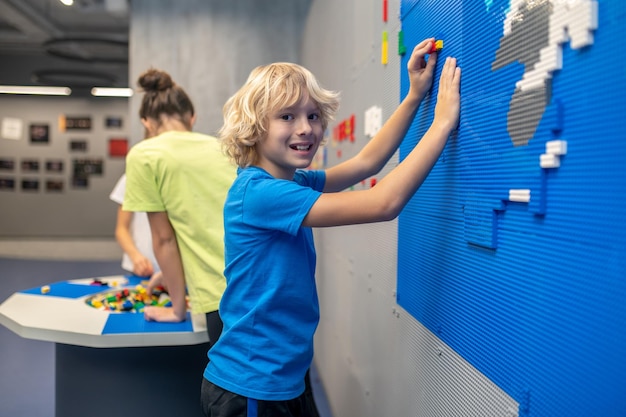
521	268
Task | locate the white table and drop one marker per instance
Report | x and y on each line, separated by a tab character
111	363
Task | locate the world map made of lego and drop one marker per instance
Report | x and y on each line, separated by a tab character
510	141
495	245
532	36
534	32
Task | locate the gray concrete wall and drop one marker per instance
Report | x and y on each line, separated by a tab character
209	47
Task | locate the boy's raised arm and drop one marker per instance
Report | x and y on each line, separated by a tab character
386	200
377	152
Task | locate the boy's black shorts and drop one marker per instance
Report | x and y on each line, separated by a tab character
217	402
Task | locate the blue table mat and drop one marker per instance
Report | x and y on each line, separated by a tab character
68	289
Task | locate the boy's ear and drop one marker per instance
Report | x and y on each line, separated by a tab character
193	119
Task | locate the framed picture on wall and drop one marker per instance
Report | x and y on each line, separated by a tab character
54	165
7	184
30	165
78	145
82	169
39	133
7	164
74	123
89	166
12	128
81	182
30	185
54	186
112	122
118	147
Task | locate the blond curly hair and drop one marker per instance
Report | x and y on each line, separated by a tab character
269	88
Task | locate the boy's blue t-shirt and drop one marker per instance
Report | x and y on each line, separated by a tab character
270	308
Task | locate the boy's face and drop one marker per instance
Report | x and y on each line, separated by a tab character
293	136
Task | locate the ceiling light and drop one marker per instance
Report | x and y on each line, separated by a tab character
37	90
67	2
111	92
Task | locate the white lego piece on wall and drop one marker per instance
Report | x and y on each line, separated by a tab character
519	195
556	147
549	160
373	120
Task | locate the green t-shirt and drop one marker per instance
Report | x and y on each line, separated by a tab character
186	175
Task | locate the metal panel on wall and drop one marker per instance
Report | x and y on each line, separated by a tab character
512	252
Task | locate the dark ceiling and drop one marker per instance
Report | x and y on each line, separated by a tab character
44	42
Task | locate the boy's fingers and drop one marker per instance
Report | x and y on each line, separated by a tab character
425	42
419	51
455	80
444	73
450	75
425	45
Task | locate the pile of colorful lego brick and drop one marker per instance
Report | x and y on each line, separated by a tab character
129	300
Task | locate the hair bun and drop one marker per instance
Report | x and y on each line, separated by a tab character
155	80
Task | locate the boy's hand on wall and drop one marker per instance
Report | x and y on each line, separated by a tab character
421	71
448	97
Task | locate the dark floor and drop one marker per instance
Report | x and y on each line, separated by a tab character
28	373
